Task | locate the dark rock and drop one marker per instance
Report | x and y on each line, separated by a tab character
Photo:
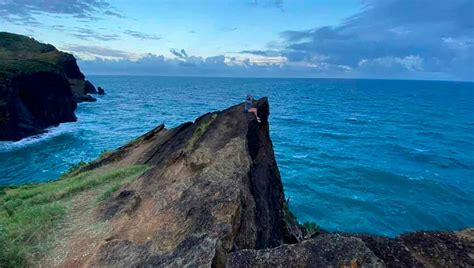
85	98
89	88
125	202
79	90
213	187
268	193
26	110
440	249
213	197
39	87
327	250
101	91
391	251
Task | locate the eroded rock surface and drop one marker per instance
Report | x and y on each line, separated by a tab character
213	197
214	187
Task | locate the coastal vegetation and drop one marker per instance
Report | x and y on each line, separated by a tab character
31	216
40	87
23	54
297	231
200	130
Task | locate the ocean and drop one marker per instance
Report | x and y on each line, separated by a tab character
373	156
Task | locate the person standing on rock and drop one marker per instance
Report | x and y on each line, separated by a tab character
249	107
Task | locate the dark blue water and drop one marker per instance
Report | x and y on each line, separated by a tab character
374	156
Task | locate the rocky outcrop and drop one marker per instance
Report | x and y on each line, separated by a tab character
213	197
325	250
39	86
418	249
81	89
100	91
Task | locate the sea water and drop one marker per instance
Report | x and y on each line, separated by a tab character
375	156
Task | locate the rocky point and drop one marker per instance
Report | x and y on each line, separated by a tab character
213	197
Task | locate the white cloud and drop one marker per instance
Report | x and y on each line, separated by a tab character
409	63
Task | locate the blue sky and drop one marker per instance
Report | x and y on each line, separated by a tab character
406	39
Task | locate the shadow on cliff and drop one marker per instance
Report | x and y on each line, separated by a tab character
213	196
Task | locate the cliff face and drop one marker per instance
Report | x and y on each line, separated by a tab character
213	188
39	86
213	196
27	110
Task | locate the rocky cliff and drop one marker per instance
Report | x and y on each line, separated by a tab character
210	195
39	86
213	197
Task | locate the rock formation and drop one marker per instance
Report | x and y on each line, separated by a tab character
100	91
39	86
213	197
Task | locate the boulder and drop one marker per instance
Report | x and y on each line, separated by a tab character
326	250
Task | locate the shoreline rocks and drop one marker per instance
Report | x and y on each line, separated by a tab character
40	87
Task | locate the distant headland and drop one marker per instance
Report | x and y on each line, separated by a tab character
40	86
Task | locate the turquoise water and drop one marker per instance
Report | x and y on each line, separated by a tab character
373	156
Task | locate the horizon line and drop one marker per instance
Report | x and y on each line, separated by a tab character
289	77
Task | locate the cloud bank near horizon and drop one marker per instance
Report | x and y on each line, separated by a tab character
387	39
409	39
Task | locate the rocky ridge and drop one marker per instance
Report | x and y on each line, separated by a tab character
40	86
213	197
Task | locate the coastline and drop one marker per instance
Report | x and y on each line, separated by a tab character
172	156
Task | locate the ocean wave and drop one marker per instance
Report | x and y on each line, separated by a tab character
393	180
431	157
341	156
434	134
51	133
300	156
357	121
335	135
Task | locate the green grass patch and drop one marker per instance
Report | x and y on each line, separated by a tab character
108	193
30	213
199	131
21	54
307	229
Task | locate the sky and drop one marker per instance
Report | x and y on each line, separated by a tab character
393	39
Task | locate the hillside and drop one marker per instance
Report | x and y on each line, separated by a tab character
203	194
39	86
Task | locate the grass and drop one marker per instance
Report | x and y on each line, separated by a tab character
199	131
16	42
29	214
23	54
309	229
108	193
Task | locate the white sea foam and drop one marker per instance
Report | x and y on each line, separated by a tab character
300	156
8	146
